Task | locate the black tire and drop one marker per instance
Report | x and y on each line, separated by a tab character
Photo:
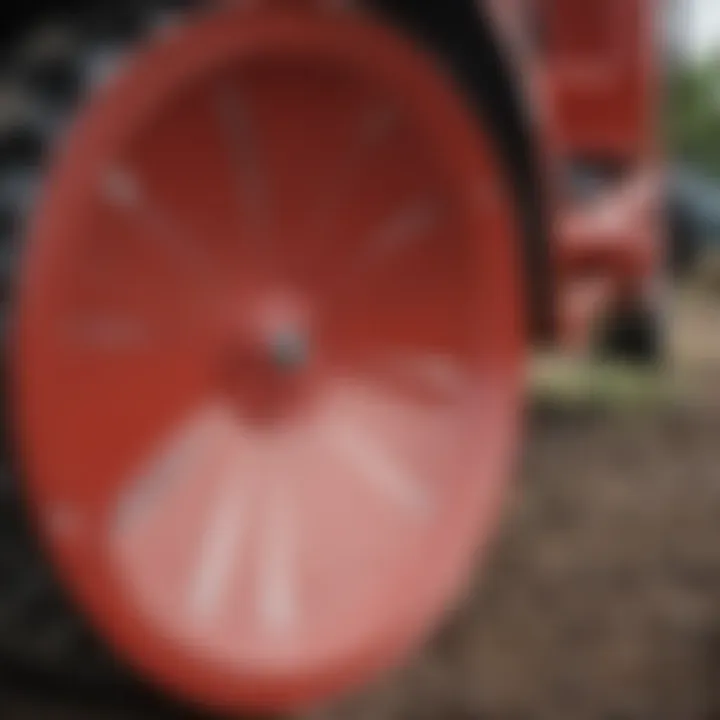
81	664
634	333
684	239
47	649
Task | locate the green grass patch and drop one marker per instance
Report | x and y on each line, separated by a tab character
614	385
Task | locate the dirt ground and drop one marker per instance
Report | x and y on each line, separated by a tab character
602	597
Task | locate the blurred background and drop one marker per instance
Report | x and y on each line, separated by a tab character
602	598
